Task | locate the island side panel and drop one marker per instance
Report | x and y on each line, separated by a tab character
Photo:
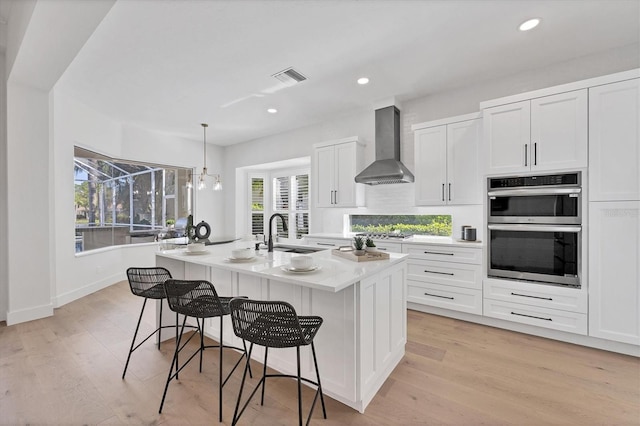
383	329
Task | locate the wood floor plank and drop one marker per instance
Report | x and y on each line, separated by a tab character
67	370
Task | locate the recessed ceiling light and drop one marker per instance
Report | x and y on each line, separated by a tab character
272	110
530	24
363	80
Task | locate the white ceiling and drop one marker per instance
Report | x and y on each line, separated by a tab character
170	65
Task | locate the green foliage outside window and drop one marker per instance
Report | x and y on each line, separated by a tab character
437	225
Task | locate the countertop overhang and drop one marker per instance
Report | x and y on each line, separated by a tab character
334	273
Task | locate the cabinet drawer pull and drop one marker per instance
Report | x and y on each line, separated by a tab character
326	244
531	316
381	248
533	297
436	252
436	272
442	297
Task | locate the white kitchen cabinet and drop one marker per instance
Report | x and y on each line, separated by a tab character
445	277
328	243
542	134
614	271
614	142
334	167
547	306
447	161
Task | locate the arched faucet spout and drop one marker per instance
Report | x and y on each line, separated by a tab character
284	228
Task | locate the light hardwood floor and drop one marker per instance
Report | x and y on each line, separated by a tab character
67	369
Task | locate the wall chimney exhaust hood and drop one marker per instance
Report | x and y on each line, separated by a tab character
387	168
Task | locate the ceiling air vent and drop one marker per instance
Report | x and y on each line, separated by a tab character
290	76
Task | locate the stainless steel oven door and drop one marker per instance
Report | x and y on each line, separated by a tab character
535	205
549	254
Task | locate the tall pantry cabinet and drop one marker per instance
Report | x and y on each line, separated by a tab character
614	211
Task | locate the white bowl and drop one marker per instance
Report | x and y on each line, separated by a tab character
244	253
302	262
196	247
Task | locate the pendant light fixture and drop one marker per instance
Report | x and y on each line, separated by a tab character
202	184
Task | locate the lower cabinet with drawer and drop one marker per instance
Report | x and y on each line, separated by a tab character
330	243
446	277
555	307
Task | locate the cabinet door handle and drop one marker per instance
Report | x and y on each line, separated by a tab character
436	252
435	295
535	153
443	192
381	248
533	297
526	148
531	316
441	273
335	196
449	191
326	244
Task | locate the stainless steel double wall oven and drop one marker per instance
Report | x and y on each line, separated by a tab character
535	228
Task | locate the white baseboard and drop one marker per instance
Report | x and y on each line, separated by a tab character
577	339
29	314
64	298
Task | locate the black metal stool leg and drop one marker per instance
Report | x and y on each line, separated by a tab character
201	331
299	388
264	374
220	373
133	342
244	345
160	326
244	376
177	326
315	363
174	361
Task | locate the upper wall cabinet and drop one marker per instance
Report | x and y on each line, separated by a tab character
335	165
614	148
446	161
542	134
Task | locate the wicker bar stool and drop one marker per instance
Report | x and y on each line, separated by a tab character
147	283
274	324
198	299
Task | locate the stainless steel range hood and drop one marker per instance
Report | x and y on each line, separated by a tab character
387	168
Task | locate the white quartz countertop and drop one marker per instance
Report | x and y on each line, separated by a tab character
334	273
416	239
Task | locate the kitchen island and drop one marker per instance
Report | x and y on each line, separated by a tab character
363	305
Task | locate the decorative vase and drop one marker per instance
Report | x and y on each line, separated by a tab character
371	249
359	252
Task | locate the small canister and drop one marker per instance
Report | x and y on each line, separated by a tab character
464	227
469	234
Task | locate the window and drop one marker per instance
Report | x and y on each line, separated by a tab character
287	194
125	202
257	205
291	199
406	224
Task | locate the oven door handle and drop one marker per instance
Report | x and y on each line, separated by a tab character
533	192
535	228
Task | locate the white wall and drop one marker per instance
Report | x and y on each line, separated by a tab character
76	124
29	200
395	199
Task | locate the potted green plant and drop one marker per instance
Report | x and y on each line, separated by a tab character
370	246
358	246
171	223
